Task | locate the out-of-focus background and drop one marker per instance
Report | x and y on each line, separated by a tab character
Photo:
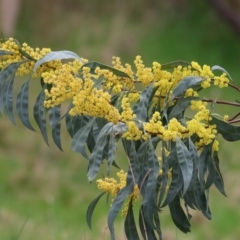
44	193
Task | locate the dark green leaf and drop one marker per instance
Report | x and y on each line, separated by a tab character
201	201
7	74
111	151
94	65
130	225
140	108
146	230
229	132
91	209
218	182
175	186
185	163
195	159
116	206
211	174
153	166
22	105
174	64
203	161
96	158
184	84
181	106
58	55
80	138
40	114
164	176
7	92
54	115
178	215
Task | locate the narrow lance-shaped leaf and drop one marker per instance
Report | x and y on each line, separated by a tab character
218	182
91	209
6	74
94	65
174	64
178	215
229	132
203	161
184	84
185	163
181	106
57	55
8	98
175	186
201	201
116	206
80	138
130	225
54	115
216	67
111	152
96	158
40	114
142	105
152	177
195	158
22	105
146	230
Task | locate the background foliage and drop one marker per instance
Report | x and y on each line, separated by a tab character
40	185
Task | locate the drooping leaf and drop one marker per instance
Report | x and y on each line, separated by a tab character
80	138
203	162
40	115
130	149
174	64
91	209
130	225
211	174
184	84
195	159
22	105
185	163
164	176
229	132
111	152
57	55
178	215
8	98
181	105
201	201
96	158
140	108
94	65
175	186
54	115
218	182
116	206
7	74
146	231
153	166
216	67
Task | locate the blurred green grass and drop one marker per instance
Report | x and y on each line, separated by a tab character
44	193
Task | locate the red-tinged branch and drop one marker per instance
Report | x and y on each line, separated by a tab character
234	87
